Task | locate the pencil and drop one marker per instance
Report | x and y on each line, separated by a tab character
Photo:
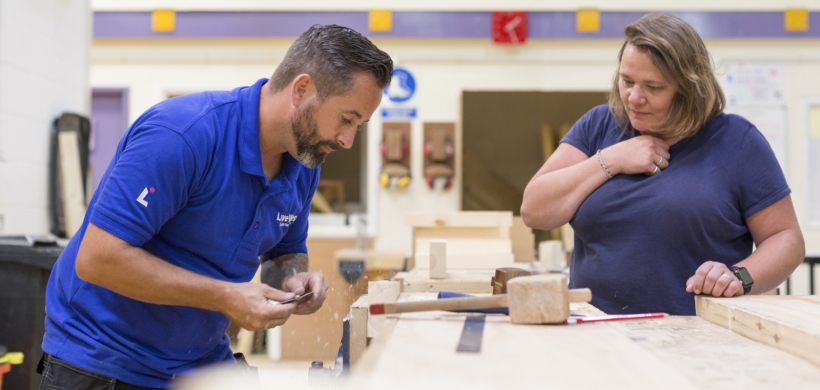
615	317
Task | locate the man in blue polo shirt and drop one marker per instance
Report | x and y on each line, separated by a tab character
201	186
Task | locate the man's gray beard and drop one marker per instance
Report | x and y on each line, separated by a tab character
306	132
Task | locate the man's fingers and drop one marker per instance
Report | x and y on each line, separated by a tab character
276	295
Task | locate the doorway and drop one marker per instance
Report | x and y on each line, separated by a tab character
507	137
109	121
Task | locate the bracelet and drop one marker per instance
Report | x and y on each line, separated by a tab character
601	161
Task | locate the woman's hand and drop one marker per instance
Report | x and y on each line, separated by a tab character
642	154
716	279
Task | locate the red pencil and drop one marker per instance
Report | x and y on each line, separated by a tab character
615	317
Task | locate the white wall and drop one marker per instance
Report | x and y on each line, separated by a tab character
443	70
44	50
450	5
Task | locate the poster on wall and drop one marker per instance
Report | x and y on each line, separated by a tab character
755	92
753	83
397	103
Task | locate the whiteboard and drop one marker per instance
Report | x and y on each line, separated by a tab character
812	142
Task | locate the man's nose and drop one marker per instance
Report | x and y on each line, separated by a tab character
345	138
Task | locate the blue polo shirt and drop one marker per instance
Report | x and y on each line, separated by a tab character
186	185
639	238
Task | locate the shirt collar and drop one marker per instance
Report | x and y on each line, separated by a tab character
250	153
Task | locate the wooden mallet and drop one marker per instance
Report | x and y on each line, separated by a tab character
539	299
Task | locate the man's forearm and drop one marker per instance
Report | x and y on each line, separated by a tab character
283	267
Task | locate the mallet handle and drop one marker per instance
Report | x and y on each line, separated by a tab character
440	304
579	295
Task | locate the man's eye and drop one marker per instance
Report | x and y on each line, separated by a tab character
346	121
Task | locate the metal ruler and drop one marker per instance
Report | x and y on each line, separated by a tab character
472	334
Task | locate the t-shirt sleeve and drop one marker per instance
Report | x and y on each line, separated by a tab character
148	184
579	135
761	181
294	241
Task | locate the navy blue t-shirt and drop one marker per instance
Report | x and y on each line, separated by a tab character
639	238
186	185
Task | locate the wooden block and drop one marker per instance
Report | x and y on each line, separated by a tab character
504	275
786	322
467	246
459	219
380	292
358	329
551	255
539	299
523	241
469	262
438	259
460	232
465	281
420	354
568	238
71	179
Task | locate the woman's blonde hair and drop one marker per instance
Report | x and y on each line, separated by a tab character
681	56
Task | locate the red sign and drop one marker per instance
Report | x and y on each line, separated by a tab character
510	27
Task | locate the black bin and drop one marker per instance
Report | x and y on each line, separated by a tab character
25	265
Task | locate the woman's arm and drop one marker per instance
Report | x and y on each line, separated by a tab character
780	249
556	191
568	177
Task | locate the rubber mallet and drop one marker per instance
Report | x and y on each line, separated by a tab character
539	299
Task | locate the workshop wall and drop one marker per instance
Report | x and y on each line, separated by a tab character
450	5
444	68
44	48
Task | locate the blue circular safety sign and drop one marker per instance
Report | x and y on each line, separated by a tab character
402	86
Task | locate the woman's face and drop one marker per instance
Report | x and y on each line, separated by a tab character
646	94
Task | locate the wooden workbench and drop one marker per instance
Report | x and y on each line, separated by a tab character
418	351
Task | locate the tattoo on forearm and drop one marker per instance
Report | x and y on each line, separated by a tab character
282	267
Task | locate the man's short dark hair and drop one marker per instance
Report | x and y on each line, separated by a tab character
332	55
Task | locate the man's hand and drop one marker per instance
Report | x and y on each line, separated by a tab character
304	282
255	306
713	278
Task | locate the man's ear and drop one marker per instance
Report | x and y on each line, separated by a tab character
302	89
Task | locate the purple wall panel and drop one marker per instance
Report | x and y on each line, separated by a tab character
109	121
420	24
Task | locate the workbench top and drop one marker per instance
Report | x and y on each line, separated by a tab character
418	351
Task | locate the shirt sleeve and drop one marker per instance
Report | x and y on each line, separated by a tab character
761	181
149	183
579	135
294	241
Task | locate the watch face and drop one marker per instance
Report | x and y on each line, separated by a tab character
743	275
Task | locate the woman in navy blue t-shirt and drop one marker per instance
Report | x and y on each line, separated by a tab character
667	194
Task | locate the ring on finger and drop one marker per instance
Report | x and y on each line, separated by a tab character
725	275
659	161
655	170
